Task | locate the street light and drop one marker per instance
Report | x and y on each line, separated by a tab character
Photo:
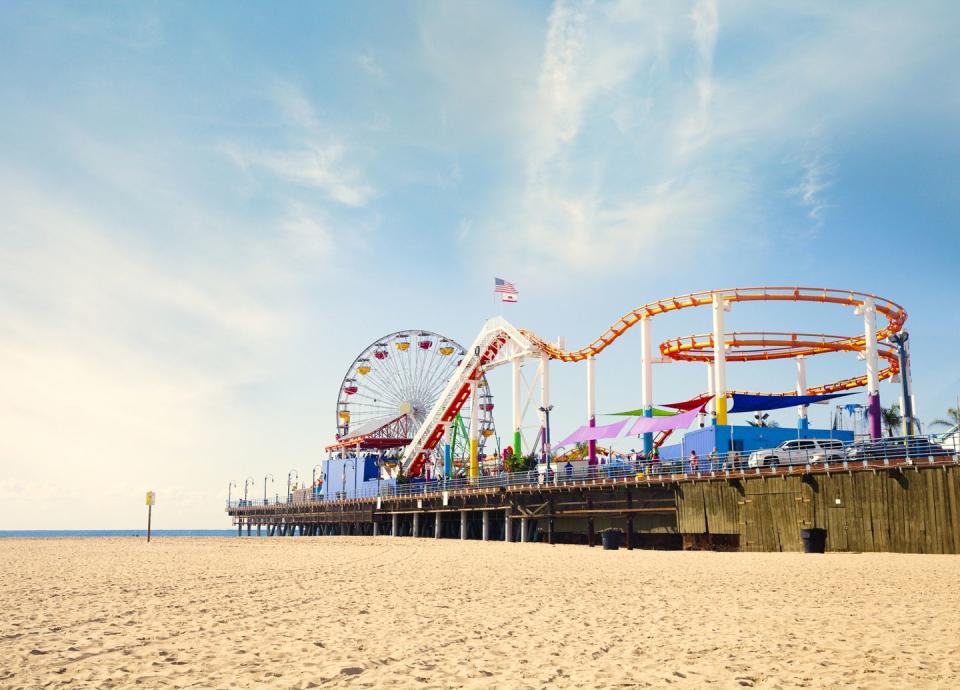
290	476
246	483
270	477
232	484
546	441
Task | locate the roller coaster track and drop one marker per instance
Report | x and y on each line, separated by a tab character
741	347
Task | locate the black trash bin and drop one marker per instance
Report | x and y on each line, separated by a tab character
612	538
814	540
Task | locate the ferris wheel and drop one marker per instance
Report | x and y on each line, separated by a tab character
401	376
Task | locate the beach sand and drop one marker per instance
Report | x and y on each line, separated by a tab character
364	612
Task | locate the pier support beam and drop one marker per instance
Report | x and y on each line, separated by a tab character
393	525
550	520
463	524
486	526
239	527
507	527
416	524
591	534
258	529
437	525
376	527
629	529
523	530
249	528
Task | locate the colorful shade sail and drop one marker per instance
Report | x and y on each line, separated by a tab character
593	433
650	425
657	412
692	404
743	402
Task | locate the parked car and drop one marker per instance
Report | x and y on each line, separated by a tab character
798	451
898	447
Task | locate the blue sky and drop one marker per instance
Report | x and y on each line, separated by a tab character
208	209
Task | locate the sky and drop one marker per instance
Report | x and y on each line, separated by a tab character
207	210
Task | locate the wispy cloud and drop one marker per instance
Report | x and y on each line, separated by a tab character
314	156
368	62
816	179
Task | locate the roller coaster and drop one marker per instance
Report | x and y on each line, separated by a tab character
500	342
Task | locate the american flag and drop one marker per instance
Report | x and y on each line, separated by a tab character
504	286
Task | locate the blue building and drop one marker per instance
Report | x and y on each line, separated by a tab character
743	439
351	477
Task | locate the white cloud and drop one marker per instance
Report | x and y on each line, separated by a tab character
367	61
314	157
815	181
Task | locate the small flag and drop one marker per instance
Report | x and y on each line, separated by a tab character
508	298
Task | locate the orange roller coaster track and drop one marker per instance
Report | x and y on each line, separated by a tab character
754	346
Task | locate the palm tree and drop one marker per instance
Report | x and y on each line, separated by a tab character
891	418
953	418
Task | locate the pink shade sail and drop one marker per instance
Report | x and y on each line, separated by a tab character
649	425
593	433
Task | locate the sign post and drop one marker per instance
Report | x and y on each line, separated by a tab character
151	499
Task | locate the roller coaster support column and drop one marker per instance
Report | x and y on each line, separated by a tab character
869	311
545	407
646	378
517	412
591	406
474	431
803	423
720	305
447	453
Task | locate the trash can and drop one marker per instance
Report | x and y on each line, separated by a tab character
612	538
814	540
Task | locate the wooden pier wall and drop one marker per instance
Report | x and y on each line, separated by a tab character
898	508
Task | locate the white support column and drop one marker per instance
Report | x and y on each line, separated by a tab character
591	404
437	525
393	525
463	524
523	530
720	305
544	400
803	423
486	525
507	526
646	377
869	312
416	524
517	410
376	528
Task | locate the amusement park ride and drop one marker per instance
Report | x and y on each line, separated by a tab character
412	390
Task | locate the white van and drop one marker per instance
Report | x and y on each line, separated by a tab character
798	451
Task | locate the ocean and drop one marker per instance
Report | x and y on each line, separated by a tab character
118	533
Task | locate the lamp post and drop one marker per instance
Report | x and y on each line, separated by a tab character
265	477
546	432
246	485
899	340
232	484
290	475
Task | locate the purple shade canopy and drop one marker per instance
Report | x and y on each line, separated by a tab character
648	425
593	433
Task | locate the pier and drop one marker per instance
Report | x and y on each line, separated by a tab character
898	505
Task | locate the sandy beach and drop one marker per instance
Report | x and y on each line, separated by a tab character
363	612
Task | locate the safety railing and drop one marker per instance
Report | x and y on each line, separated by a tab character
862	454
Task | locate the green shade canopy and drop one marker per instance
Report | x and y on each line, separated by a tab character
657	412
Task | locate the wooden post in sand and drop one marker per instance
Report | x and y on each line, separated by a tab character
151	499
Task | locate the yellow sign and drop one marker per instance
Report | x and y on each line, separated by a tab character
151	498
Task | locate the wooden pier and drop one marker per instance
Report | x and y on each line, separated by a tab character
899	506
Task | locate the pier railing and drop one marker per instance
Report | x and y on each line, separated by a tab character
881	453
